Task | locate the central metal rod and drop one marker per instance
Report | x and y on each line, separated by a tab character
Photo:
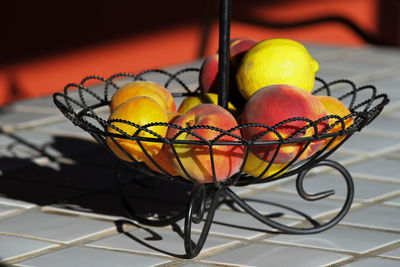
223	52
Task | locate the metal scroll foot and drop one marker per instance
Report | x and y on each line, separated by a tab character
316	227
204	199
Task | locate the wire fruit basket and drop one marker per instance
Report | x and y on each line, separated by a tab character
87	108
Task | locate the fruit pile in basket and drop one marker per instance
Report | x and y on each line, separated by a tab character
270	102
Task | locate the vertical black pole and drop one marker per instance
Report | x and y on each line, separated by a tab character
223	52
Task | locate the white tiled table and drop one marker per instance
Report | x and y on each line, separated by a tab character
59	205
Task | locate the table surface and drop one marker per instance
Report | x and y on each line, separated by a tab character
59	205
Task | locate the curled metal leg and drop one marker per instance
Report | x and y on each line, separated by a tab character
204	199
316	227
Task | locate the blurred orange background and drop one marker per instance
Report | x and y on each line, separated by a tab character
48	45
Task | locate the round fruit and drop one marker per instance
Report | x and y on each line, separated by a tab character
334	106
272	106
255	166
162	158
208	98
144	88
140	110
196	157
276	61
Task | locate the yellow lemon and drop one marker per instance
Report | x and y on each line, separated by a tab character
276	61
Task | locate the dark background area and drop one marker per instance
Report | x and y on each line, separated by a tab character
33	29
46	45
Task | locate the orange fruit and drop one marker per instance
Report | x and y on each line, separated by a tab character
140	110
333	106
144	88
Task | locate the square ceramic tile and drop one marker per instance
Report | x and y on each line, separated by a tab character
196	265
84	257
342	156
4	200
267	255
271	202
395	253
332	70
340	239
12	247
239	225
42	104
98	204
10	118
394	201
373	262
23	192
75	176
377	56
157	241
379	217
390	87
364	190
6	210
66	128
385	124
377	168
53	227
368	143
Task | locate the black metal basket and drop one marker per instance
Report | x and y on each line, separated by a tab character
88	108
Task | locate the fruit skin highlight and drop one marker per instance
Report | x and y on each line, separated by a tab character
276	61
140	110
144	88
196	158
273	104
333	106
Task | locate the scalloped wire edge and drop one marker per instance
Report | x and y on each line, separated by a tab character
360	119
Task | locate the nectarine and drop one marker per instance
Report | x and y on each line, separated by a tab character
333	106
195	158
208	77
162	158
140	111
274	104
144	88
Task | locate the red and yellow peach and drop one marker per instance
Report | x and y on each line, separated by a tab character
274	104
196	158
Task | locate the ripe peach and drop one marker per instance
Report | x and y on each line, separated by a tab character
207	98
196	157
238	47
162	158
140	110
273	104
334	106
255	166
208	77
144	88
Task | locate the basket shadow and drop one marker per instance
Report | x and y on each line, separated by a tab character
77	175
154	236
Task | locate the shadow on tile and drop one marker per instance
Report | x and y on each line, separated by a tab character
78	174
153	236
